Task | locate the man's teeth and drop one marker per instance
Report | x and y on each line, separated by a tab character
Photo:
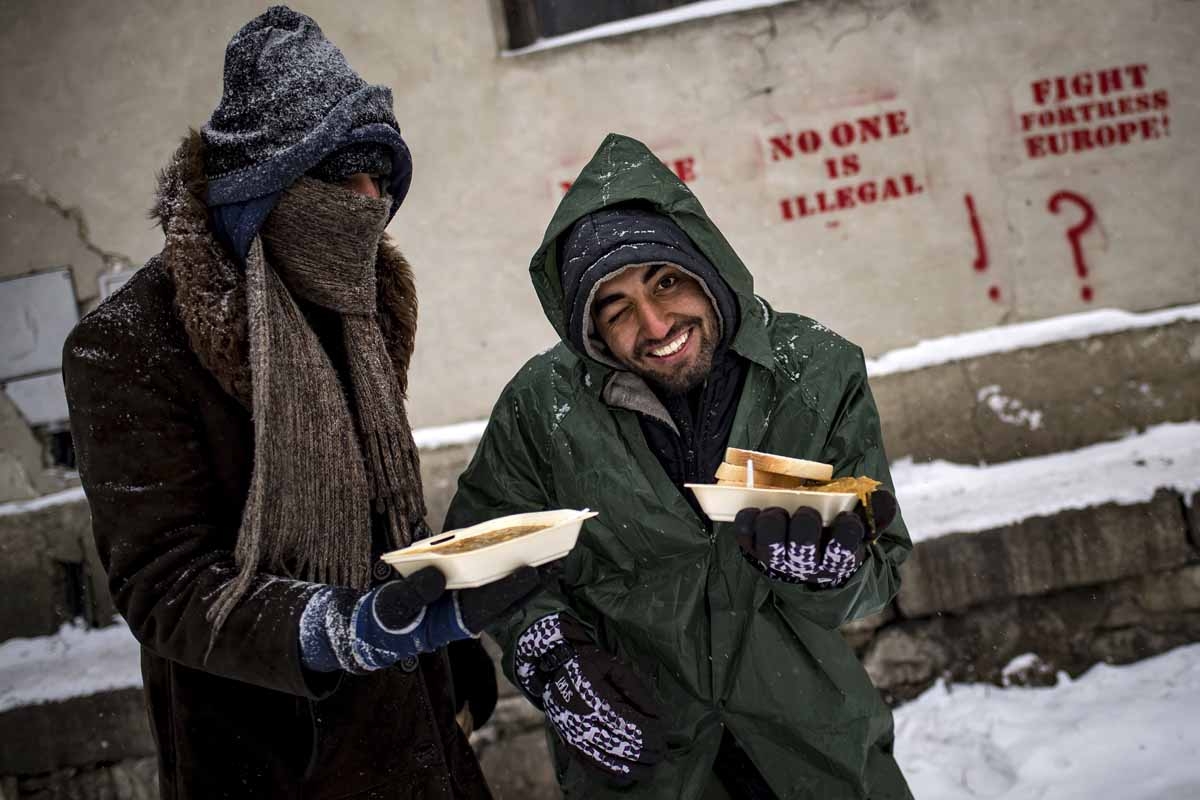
672	347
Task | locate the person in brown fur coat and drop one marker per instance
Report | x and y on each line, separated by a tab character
238	414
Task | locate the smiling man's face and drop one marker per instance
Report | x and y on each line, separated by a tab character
658	323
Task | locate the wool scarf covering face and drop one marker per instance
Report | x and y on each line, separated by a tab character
324	453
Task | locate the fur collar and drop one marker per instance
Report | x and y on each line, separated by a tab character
210	288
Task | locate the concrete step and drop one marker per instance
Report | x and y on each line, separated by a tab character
1049	398
1042	555
1031	526
49	566
1069	630
73	699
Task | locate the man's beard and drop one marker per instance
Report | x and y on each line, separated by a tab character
681	381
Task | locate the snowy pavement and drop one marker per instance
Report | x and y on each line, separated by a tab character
1125	733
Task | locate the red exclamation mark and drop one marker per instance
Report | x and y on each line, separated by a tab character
981	253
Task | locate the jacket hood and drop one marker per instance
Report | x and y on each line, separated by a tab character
625	170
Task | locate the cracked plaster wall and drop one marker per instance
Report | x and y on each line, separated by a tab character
104	93
40	233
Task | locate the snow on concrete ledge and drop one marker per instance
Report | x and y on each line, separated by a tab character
449	435
658	19
1006	338
1124	732
939	498
932	352
74	662
46	501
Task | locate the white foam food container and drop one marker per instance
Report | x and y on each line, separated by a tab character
722	503
465	570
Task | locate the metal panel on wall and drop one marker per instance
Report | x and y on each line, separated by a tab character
42	400
36	314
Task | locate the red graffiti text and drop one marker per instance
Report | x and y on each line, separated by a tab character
844	198
1093	110
842	134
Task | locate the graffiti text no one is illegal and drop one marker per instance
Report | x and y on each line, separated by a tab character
833	162
1091	110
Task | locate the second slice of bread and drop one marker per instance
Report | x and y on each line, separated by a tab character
782	465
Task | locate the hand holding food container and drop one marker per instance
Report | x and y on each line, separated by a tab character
795	522
748	479
451	587
360	633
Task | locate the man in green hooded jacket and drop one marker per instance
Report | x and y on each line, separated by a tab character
674	656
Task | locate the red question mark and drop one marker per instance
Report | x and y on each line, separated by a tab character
1076	231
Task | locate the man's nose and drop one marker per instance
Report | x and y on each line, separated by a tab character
364	184
654	321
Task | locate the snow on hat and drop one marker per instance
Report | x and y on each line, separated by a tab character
290	99
602	243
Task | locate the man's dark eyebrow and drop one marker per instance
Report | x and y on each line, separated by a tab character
605	301
651	272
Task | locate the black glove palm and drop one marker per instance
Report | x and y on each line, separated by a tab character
800	550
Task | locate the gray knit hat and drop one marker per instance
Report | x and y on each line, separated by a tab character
290	99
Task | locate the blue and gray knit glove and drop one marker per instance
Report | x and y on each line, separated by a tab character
603	712
360	633
798	549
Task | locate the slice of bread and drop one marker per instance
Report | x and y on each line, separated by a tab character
782	465
767	480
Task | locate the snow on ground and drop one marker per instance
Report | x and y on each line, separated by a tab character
940	497
1126	733
72	663
1006	338
658	19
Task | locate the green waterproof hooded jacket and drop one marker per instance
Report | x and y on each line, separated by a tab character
670	592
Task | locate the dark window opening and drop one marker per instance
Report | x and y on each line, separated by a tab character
74	597
530	20
61	449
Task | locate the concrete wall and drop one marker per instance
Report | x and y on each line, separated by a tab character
978	226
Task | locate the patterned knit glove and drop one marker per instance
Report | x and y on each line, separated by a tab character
600	709
800	550
341	629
